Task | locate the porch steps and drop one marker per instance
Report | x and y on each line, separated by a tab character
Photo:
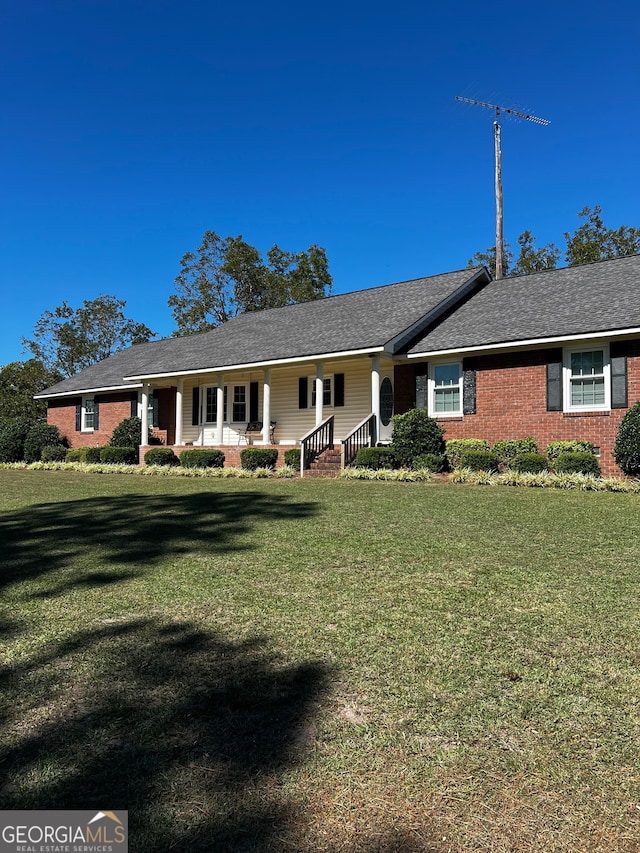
327	464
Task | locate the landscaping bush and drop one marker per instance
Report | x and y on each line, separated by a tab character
54	453
119	455
580	462
252	458
509	448
161	456
93	455
479	460
77	454
626	450
434	462
455	447
127	433
292	458
40	435
414	434
201	458
375	458
529	463
13	432
578	445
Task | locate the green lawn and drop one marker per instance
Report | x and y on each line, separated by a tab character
255	665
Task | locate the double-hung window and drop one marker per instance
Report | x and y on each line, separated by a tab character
239	398
88	413
586	374
446	389
327	391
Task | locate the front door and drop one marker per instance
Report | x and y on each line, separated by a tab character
386	408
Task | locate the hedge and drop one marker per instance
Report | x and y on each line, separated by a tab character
479	460
455	447
201	458
414	434
577	463
292	457
119	455
529	463
375	458
252	458
161	456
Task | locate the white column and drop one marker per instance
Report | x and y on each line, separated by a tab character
319	380
179	390
144	415
220	410
266	408
375	393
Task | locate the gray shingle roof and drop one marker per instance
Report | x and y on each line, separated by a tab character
582	300
362	320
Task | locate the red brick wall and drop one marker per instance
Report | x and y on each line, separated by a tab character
113	408
511	403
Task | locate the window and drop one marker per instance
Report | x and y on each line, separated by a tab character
238	404
327	391
88	413
587	379
446	389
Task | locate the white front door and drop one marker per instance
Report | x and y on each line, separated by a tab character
386	407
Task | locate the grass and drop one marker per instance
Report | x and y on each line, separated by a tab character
256	665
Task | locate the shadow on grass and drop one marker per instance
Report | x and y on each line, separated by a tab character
134	530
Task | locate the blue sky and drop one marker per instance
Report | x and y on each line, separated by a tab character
129	128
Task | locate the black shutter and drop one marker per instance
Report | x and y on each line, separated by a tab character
554	381
421	385
468	388
303	393
96	413
195	407
154	409
134	404
338	389
619	399
253	402
78	416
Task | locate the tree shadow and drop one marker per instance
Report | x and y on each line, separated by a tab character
135	530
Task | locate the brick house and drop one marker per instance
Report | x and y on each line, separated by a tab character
554	355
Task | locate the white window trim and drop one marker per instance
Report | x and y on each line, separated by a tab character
566	377
431	405
311	385
83	418
229	394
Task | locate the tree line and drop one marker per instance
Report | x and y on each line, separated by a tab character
226	276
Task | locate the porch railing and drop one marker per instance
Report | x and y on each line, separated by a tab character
364	435
314	443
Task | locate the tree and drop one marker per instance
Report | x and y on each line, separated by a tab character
488	259
531	259
67	340
19	381
592	241
227	276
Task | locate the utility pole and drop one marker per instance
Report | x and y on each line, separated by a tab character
498	178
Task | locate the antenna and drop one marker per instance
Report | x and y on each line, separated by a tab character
496	126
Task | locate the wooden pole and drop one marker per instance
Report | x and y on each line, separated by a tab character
499	232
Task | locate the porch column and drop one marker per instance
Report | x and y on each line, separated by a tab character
266	408
144	415
375	395
220	410
319	380
179	390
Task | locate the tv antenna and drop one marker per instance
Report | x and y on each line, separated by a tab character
496	126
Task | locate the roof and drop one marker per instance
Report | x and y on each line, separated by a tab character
575	301
385	317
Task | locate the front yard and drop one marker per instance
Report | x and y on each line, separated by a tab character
270	665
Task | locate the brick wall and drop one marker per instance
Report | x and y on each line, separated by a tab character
511	403
113	408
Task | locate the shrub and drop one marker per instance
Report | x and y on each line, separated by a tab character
509	448
626	450
252	458
201	458
127	433
93	455
77	454
40	435
13	432
529	463
119	455
434	462
161	456
578	445
292	457
375	458
479	460
580	462
414	434
54	453
455	447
